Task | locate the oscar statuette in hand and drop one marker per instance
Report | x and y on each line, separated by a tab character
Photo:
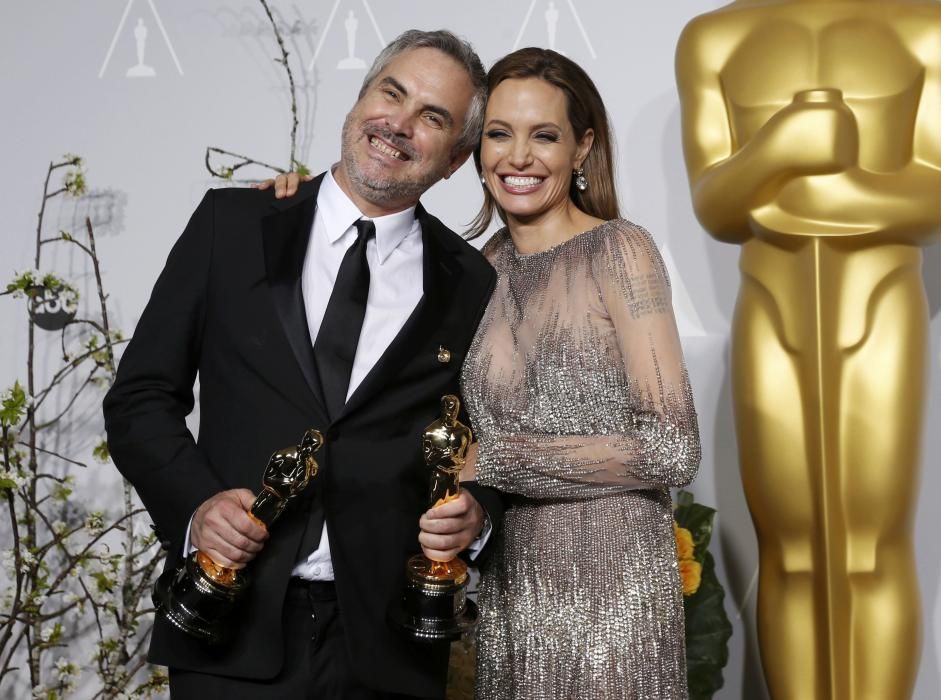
198	596
435	605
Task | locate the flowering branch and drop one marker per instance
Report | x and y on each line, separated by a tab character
228	172
69	579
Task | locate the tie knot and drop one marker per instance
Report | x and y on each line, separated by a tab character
364	229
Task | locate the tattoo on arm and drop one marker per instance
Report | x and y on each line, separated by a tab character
647	296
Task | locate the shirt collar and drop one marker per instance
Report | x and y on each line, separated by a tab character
340	213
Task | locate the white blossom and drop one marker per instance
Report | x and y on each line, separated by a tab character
66	670
33	274
15	476
94	523
27	557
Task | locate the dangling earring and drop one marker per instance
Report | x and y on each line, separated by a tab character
483	180
581	183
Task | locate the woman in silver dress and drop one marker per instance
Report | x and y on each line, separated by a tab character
579	397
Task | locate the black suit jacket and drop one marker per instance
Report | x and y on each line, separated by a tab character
228	308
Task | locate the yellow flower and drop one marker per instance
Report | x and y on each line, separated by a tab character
684	542
691	576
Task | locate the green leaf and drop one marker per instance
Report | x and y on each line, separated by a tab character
101	452
707	626
51	282
707	635
75	181
13	406
23	282
55	637
301	169
103	582
102	358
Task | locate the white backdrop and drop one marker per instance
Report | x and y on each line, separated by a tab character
65	87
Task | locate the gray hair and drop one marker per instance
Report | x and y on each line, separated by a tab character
461	51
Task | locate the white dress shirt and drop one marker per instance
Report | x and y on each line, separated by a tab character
394	256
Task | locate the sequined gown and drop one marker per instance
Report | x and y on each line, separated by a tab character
579	396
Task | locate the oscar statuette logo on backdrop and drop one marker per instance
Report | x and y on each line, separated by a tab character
140	66
553	19
353	29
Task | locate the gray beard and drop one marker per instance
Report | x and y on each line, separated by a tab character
378	190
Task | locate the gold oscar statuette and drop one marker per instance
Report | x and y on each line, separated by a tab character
435	605
811	137
199	595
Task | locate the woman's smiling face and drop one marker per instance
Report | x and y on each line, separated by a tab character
529	149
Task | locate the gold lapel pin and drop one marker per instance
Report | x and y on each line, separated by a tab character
444	355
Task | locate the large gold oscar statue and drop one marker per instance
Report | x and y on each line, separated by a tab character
812	133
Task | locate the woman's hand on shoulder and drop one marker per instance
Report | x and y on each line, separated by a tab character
285	184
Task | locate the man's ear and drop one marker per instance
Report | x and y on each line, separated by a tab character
456	162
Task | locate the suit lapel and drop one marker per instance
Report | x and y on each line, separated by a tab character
439	276
286	237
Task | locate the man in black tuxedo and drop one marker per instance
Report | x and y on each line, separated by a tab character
347	308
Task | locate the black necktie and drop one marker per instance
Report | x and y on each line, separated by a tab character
338	336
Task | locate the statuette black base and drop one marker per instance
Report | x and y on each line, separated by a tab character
192	602
433	608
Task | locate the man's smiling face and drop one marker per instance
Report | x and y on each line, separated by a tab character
399	138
